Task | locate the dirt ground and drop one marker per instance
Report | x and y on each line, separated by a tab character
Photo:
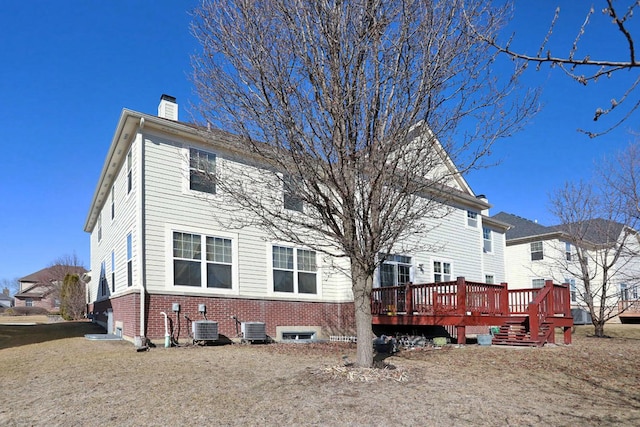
52	375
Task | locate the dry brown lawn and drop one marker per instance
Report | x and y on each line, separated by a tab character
52	375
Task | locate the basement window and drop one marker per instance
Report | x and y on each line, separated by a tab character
298	336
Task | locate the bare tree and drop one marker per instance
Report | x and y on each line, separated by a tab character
584	68
351	107
598	224
12	285
72	297
59	269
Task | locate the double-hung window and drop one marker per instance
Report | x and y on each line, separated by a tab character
294	270
472	219
104	284
486	237
202	171
129	260
395	270
537	283
113	271
567	251
441	271
572	288
292	200
193	266
536	251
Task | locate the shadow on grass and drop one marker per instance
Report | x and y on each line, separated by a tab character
18	335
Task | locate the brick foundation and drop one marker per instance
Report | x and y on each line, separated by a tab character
333	318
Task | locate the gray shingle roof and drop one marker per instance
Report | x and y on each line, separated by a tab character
596	231
522	227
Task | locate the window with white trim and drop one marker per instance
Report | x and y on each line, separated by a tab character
489	278
472	219
104	283
291	199
294	270
567	251
113	202
28	302
395	270
536	251
208	268
99	227
486	237
129	174
572	288
624	292
537	283
113	271
129	260
441	271
202	171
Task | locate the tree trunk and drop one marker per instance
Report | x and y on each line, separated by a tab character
361	286
599	329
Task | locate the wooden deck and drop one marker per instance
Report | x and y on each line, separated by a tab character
629	311
525	316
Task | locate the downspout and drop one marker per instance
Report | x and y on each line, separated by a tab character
140	225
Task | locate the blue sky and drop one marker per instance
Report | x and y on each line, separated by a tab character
67	72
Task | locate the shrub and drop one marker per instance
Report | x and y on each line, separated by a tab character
25	311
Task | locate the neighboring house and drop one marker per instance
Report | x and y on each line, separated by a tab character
158	246
536	253
6	300
40	289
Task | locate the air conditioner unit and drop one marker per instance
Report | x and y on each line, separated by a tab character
253	331
205	330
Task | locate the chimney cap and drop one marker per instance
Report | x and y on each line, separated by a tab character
169	98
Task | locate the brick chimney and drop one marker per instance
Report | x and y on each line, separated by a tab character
168	108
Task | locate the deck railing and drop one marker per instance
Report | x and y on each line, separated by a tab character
461	297
457	297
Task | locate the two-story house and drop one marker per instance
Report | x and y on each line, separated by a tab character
159	243
535	253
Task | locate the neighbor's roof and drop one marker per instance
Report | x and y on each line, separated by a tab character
522	227
595	231
47	274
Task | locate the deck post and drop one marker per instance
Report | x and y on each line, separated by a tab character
504	299
462	296
462	334
408	299
551	309
567	335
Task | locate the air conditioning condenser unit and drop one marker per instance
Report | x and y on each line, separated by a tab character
205	330
253	331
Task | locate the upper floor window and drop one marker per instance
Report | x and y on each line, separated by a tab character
113	203
202	171
100	227
294	270
567	251
441	271
210	268
536	251
395	270
488	278
472	219
292	200
129	175
486	236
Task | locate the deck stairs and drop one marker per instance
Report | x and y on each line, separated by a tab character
516	332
